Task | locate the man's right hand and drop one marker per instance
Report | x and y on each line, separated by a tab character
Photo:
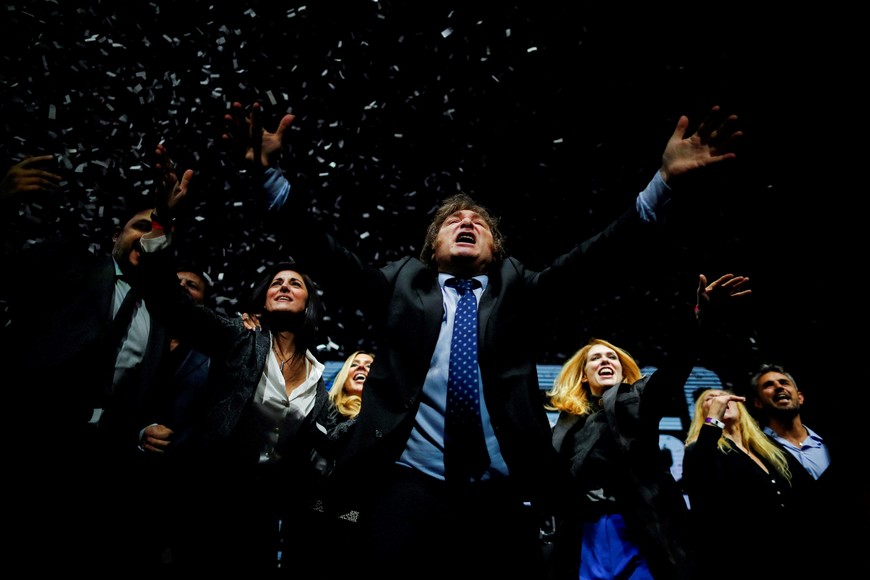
248	138
156	438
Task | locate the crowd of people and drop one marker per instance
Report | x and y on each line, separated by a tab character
179	437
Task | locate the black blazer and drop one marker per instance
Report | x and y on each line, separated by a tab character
238	357
404	304
187	397
821	505
731	490
646	494
56	348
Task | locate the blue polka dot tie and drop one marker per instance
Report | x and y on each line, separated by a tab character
465	455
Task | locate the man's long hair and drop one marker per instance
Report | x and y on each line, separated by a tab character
450	206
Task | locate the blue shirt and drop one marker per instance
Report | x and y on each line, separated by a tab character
424	450
812	454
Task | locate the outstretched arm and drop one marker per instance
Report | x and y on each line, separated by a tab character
170	191
666	385
710	144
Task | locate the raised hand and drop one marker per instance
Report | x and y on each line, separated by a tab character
727	286
170	190
711	143
719	404
249	141
24	177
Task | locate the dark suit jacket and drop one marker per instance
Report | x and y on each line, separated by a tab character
187	398
403	302
58	365
56	348
822	505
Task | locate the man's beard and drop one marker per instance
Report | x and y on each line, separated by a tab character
784	413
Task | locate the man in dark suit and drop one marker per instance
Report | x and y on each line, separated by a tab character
416	518
825	476
187	370
79	385
173	445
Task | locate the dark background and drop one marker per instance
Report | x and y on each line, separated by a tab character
553	115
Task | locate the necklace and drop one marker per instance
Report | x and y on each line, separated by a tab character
281	362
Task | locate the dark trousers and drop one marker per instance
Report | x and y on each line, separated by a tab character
81	511
251	522
419	526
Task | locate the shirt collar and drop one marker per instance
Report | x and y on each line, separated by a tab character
444	277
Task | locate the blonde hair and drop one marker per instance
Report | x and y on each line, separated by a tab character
753	437
571	394
347	404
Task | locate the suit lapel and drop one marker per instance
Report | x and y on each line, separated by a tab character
432	309
485	308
